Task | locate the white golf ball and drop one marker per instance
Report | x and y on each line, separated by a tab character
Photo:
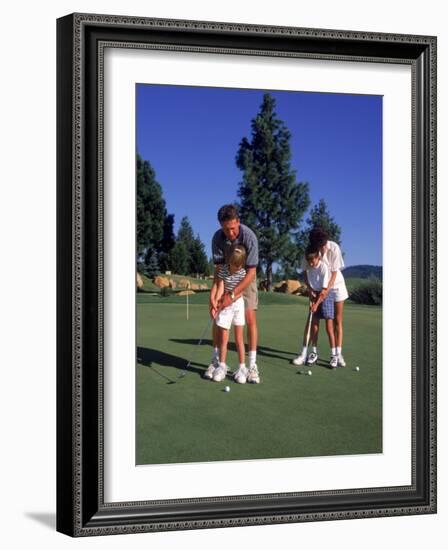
356	369
227	389
309	373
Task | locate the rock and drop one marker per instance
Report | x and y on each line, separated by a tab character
140	283
162	282
288	287
186	293
184	283
173	284
203	287
194	286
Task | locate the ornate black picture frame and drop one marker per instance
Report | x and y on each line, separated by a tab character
81	509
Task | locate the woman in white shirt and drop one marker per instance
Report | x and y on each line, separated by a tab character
331	254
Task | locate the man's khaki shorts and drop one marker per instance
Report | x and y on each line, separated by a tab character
250	296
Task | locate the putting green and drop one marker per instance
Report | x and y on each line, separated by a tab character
332	412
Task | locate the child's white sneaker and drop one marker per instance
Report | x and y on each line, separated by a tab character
341	360
300	360
210	371
220	373
334	361
241	375
253	377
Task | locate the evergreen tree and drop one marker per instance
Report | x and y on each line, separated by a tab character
197	259
151	210
320	217
152	265
185	233
179	259
167	244
211	266
198	264
272	202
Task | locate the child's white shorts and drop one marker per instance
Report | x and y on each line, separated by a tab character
232	315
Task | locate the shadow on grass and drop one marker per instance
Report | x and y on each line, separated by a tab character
205	343
151	357
261	350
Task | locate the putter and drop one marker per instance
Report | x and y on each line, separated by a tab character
206	329
308	334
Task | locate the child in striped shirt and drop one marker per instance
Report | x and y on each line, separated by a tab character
229	276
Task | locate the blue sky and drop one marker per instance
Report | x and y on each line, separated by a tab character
190	135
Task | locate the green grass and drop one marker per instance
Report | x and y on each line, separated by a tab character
332	412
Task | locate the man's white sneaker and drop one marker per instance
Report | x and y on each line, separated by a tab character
210	371
334	361
241	375
220	373
253	377
341	360
312	358
299	360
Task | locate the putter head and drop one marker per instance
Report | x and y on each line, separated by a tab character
183	374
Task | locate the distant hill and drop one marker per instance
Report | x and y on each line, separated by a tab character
363	271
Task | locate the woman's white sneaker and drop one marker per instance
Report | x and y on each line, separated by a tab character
298	361
341	360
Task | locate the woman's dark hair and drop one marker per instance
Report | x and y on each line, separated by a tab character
318	237
228	212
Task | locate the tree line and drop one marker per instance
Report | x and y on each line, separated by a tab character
158	248
272	202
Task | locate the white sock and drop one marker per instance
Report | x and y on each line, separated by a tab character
339	350
242	365
252	357
304	351
222	364
314	349
333	351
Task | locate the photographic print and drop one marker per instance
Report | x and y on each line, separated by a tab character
231	198
258	274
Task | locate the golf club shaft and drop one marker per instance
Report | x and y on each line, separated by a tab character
206	329
308	333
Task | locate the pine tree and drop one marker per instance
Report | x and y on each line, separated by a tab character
152	265
320	217
272	202
167	244
151	210
198	262
179	259
197	258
